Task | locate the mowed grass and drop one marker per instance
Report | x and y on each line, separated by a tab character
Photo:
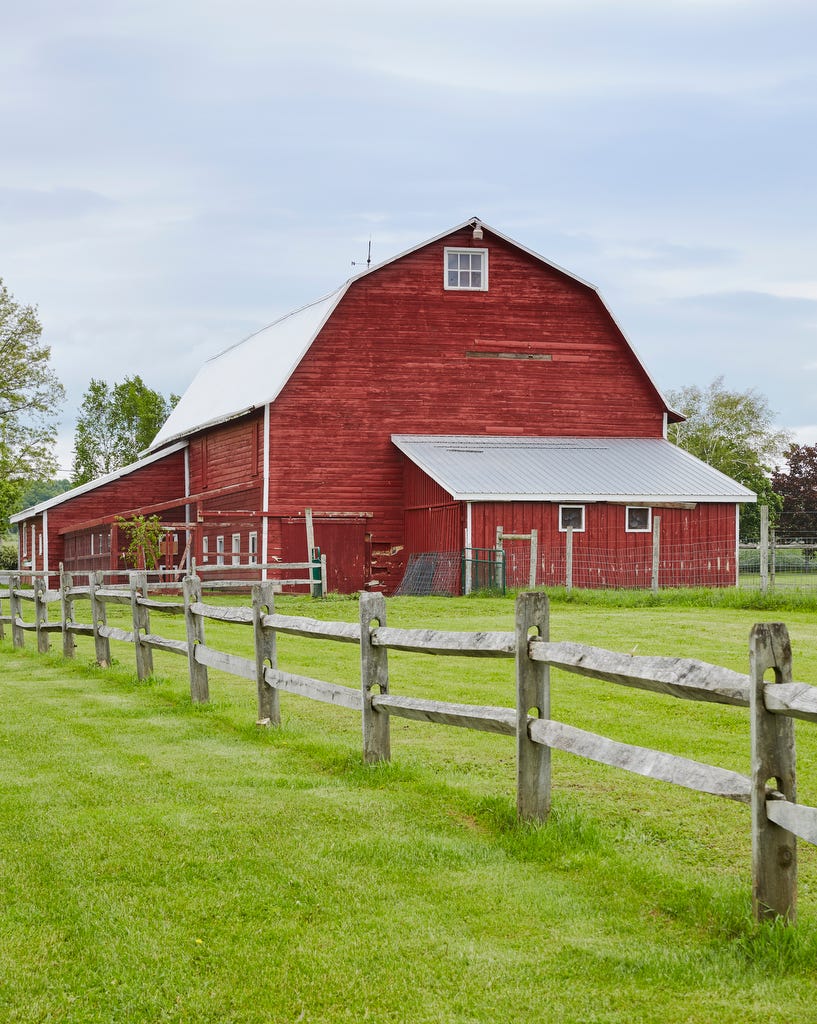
164	862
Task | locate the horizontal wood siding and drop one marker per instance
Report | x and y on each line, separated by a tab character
398	356
162	480
697	545
232	453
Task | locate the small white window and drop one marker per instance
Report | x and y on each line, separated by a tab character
253	548
25	540
236	549
40	544
205	549
571	516
466	270
220	550
639	519
92	543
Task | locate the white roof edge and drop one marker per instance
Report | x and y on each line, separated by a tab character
100	481
618	499
201	426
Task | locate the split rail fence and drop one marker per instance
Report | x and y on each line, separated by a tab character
770	790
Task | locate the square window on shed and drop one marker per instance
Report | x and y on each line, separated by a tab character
219	550
466	270
571	517
639	519
253	559
205	549
236	549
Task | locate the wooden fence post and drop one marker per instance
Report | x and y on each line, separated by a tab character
102	645
534	557
656	551
269	703
764	549
569	559
40	584
532	698
18	636
194	624
774	849
67	610
374	672
140	617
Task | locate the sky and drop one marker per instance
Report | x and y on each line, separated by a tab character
175	175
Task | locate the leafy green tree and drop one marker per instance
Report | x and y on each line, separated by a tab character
30	400
115	424
797	485
734	432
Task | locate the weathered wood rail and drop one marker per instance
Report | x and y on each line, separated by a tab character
770	791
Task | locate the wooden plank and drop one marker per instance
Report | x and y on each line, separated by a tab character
795	818
467	716
28	627
162	643
315	689
168	607
222	614
677	677
140	619
73	592
642	761
224	662
113	596
430	641
102	647
41	613
22	594
797	700
80	628
115	633
51	627
67	613
344	632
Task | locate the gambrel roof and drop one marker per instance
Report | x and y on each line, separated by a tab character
630	470
253	372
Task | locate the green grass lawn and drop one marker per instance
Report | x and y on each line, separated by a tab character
164	862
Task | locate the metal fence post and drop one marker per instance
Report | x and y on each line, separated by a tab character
774	849
374	672
764	548
532	698
656	551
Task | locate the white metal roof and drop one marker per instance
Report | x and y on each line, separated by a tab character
249	374
92	485
253	372
624	469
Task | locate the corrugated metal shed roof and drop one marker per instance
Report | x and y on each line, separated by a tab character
627	469
253	371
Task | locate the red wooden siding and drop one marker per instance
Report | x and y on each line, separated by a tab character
397	356
697	545
162	480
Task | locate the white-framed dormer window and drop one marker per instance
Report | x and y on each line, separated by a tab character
571	517
466	270
253	539
236	549
219	550
638	519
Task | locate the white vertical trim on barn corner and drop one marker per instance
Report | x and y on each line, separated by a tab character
737	545
265	496
187	544
45	544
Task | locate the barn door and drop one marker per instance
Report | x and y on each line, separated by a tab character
344	543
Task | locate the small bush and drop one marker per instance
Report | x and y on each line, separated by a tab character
8	556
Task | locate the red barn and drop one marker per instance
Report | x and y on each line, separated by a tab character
463	385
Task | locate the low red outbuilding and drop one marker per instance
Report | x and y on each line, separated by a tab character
464	385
